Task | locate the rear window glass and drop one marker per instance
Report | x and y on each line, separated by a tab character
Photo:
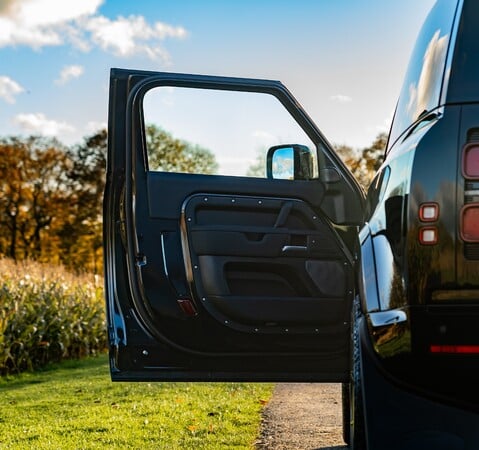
463	86
421	90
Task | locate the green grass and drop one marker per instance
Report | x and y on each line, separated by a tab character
74	405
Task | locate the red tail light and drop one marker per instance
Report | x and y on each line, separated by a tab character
470	223
455	349
470	161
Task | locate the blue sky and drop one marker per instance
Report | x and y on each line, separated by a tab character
343	59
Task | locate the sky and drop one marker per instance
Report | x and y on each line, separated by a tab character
344	60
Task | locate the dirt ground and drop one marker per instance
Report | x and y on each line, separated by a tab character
303	416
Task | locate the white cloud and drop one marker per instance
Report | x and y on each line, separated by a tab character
340	98
38	123
131	35
40	23
94	126
261	134
385	126
47	12
264	137
9	88
70	72
428	86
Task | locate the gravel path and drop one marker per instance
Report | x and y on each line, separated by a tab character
303	416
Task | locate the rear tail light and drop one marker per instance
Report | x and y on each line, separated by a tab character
455	349
470	161
470	223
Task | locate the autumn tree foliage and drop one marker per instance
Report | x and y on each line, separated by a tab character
168	154
46	197
34	187
51	195
365	162
78	234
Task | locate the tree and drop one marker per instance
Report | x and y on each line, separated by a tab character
371	159
80	232
168	154
50	199
364	163
33	190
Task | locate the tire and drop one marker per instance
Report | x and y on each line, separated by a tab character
357	435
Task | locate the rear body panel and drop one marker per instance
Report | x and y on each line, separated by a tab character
434	284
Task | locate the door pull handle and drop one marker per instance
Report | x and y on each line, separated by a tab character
294	248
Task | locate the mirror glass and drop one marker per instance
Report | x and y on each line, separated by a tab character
283	164
218	132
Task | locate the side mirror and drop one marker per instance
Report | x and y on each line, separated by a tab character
289	162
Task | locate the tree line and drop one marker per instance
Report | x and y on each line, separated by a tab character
50	199
51	194
364	163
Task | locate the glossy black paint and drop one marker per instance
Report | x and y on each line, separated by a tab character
399	418
435	285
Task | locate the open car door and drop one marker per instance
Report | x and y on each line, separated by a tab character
222	264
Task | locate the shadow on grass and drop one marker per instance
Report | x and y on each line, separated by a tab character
93	366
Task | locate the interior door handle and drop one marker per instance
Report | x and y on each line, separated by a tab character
294	248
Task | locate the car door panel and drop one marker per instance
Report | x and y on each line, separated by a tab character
272	275
223	277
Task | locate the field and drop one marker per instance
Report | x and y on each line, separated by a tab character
48	315
74	405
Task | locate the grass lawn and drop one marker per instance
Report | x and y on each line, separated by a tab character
75	406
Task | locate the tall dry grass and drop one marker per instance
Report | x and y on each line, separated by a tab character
46	315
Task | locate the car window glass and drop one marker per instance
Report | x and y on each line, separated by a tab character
376	191
216	132
421	90
463	86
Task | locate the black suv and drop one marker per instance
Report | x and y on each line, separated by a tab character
295	274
